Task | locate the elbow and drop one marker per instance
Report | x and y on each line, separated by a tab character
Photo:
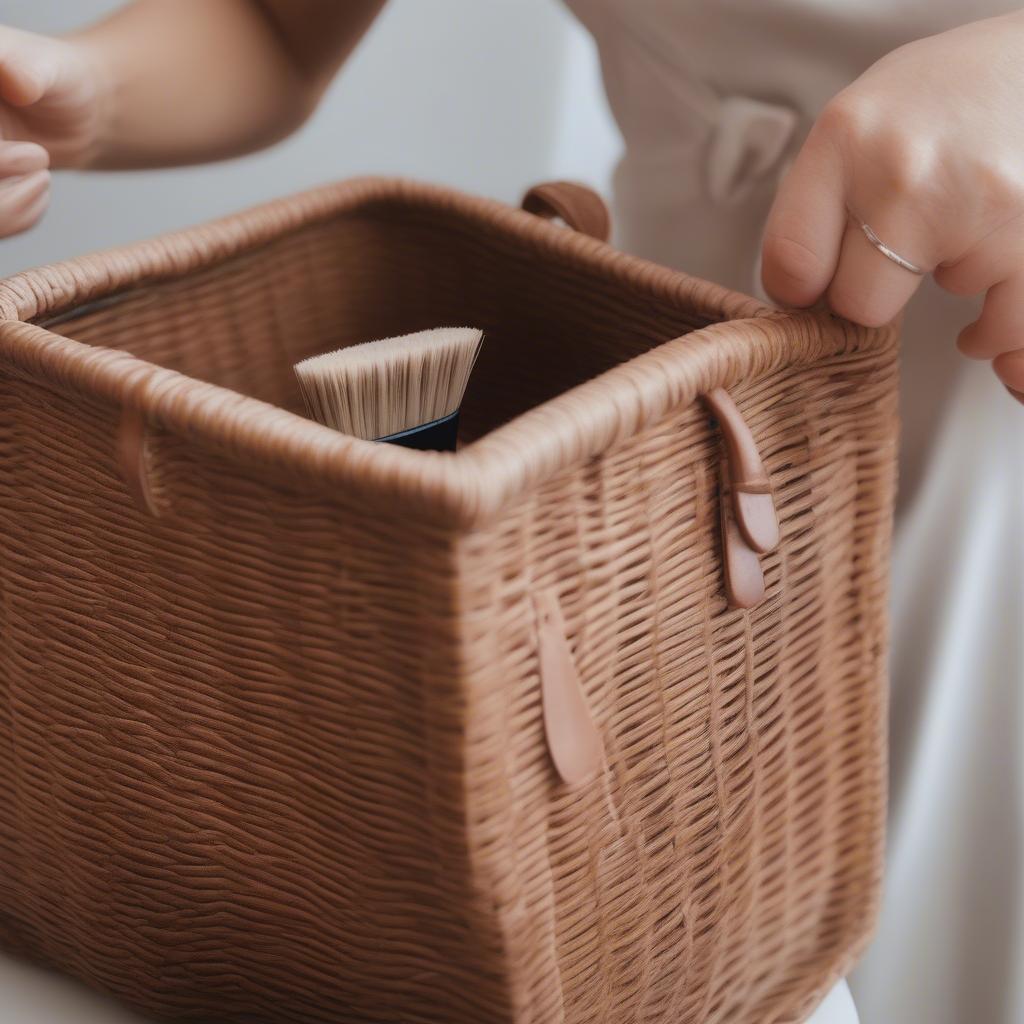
294	110
278	118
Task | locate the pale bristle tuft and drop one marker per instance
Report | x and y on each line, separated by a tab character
379	388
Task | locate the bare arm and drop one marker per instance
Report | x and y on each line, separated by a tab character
186	81
169	82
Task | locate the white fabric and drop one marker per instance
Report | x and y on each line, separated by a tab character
713	97
34	994
950	946
837	1008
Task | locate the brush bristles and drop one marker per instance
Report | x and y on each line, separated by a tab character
383	387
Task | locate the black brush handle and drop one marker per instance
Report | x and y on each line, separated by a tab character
436	436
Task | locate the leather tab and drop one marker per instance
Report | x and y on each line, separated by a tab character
579	206
753	503
573	740
133	459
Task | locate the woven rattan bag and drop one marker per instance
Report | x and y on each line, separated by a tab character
299	727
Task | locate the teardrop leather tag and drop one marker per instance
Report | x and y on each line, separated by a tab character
572	737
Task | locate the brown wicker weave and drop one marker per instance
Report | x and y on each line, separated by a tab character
273	743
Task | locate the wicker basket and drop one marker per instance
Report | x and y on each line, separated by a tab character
298	727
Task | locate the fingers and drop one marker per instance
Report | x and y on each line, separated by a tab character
998	334
1000	328
23	199
22	158
813	247
25	76
1010	370
868	287
24	174
805	227
24	186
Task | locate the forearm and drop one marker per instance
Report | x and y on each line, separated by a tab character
187	81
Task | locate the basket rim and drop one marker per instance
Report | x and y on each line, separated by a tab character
743	339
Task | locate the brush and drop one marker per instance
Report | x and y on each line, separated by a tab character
405	390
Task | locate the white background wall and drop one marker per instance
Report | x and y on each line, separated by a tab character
487	95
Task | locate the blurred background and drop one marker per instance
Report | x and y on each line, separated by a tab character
486	95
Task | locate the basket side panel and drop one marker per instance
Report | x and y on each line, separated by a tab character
726	865
231	771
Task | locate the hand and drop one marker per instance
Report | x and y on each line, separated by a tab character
49	113
927	147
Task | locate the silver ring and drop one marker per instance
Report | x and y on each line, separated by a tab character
887	252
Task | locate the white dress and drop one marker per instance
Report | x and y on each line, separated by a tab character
713	98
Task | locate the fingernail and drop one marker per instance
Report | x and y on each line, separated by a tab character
1019	395
23	157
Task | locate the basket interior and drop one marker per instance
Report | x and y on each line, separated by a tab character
389	267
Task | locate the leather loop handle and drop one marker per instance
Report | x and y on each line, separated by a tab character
572	738
578	205
749	521
753	503
133	459
741	564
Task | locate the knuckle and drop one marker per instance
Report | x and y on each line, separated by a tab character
896	158
909	166
848	115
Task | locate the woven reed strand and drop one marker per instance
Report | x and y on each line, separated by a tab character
276	755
